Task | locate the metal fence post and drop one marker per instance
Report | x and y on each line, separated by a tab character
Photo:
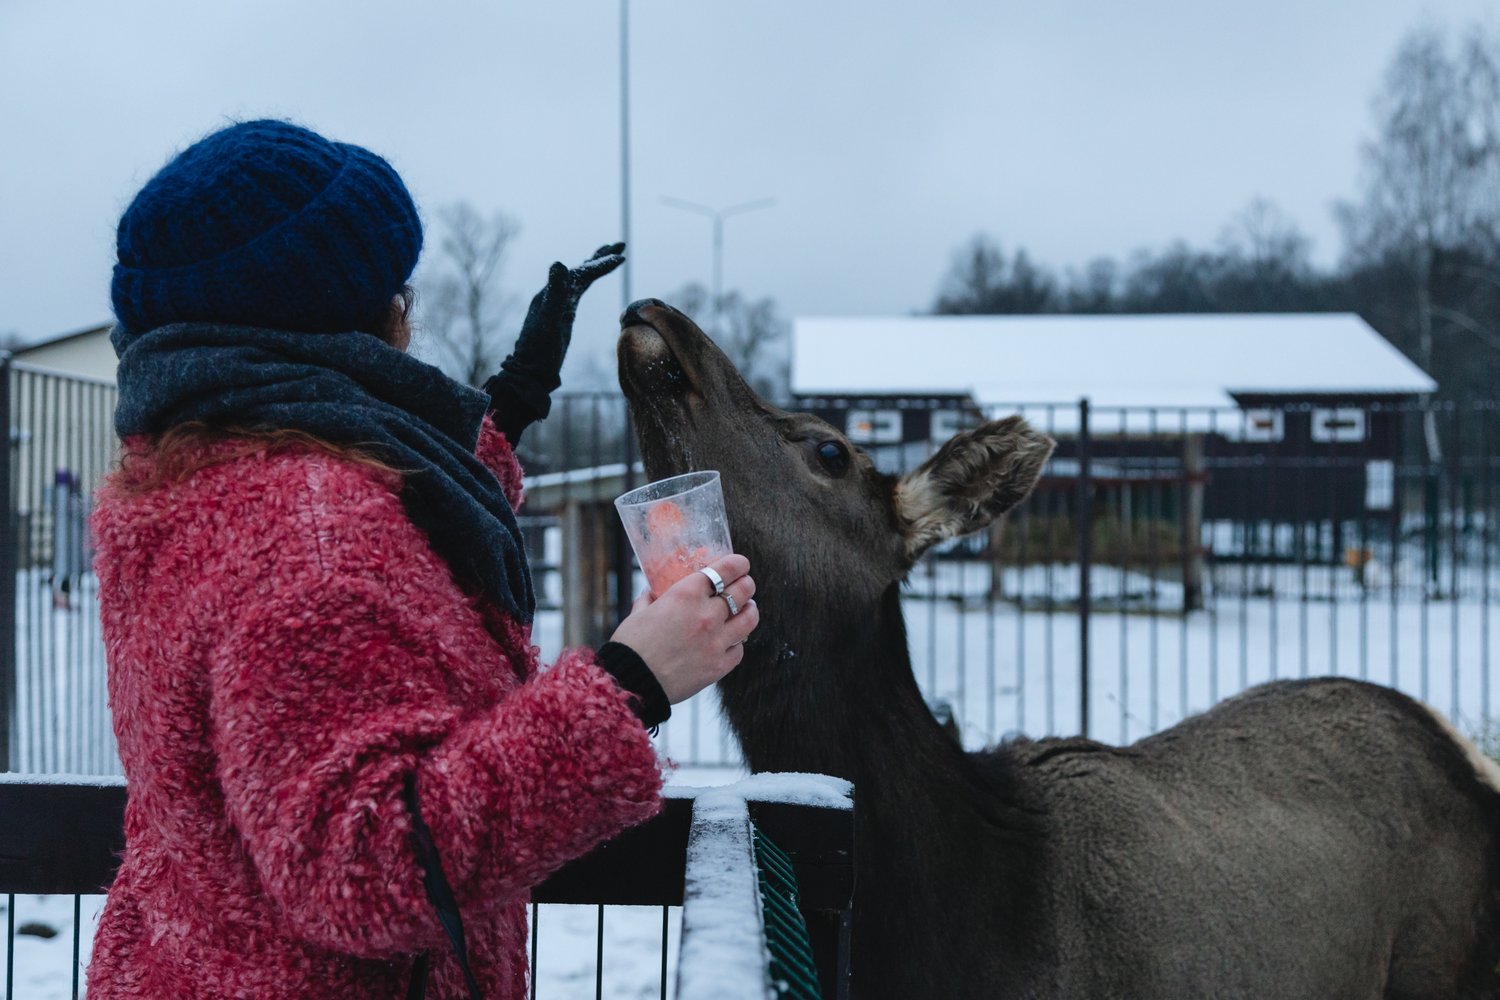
624	568
7	575
1085	560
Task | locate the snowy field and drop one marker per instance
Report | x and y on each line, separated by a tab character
1003	668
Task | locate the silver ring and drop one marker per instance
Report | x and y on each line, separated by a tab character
734	608
715	579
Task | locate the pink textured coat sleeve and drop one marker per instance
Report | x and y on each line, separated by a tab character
336	679
495	451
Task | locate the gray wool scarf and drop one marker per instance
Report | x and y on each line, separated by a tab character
346	389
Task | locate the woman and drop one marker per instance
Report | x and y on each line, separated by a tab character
317	609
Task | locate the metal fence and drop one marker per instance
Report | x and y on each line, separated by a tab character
761	892
53	712
1169	558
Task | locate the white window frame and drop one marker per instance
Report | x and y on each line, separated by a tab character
1323	416
1275	418
880	426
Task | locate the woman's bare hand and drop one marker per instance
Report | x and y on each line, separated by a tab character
687	636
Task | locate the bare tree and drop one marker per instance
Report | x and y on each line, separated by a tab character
1431	171
1178	279
981	280
463	303
1267	240
754	335
1095	290
1264	265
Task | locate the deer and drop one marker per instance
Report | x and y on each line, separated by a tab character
1321	838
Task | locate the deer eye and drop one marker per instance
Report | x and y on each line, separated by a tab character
835	458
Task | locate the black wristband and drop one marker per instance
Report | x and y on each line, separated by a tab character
631	673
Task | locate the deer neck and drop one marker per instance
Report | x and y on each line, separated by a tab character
833	693
932	834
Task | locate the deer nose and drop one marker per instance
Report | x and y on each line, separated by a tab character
632	313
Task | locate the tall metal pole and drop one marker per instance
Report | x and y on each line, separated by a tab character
624	569
719	272
1085	559
625	298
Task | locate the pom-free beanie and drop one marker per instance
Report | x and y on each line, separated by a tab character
267	224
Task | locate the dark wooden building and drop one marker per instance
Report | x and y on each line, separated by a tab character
1292	420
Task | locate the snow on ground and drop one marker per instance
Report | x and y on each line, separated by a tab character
44	967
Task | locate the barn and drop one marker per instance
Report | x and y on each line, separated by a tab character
1294	419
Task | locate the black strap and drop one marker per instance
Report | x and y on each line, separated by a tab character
440	894
417	988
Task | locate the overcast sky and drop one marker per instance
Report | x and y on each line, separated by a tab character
887	133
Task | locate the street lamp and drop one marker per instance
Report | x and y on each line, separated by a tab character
625	162
718	215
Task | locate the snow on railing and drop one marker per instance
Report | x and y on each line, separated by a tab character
723	935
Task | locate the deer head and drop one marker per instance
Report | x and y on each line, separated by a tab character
826	533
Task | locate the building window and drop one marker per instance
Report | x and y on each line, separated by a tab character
1338	426
1265	425
874	426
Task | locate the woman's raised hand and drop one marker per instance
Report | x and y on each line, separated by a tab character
533	369
687	636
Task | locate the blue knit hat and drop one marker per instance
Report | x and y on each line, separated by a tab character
269	224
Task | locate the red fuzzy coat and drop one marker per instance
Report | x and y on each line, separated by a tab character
284	647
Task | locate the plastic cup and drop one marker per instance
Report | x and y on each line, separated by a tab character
676	526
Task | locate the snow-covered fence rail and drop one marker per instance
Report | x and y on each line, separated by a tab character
62	837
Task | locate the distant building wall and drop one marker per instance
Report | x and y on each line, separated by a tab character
88	354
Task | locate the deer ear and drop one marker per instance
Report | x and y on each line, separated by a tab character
974	478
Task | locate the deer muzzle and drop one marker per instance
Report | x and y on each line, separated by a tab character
650	364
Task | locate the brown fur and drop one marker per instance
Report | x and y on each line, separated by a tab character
974	478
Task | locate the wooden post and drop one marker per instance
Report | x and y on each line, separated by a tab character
1194	478
585	569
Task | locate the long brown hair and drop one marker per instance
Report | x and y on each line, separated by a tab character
173	456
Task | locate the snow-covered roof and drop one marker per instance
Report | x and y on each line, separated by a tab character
1156	361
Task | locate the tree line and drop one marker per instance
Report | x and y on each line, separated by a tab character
1420	259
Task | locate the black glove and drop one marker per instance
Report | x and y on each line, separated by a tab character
521	393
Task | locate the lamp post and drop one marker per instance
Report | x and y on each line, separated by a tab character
718	215
624	566
625	147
